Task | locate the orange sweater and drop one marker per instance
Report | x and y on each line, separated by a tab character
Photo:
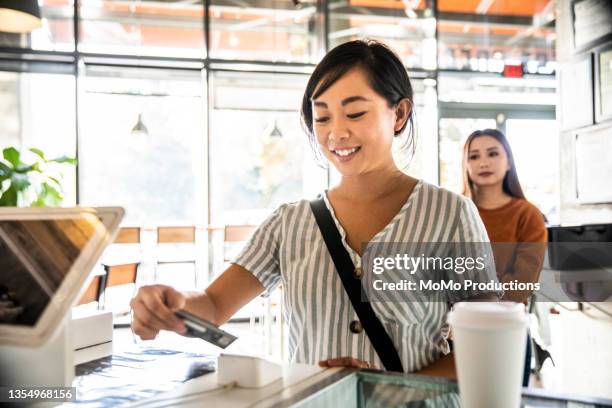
518	236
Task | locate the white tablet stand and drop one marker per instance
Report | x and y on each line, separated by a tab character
50	365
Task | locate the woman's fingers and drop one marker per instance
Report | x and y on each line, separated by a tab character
153	310
161	302
344	362
142	330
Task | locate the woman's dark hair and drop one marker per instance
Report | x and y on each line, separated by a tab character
383	68
510	185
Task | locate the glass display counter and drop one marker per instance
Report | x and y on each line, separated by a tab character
369	389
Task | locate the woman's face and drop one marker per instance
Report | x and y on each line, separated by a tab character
487	161
354	125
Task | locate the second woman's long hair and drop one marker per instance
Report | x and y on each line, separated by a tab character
510	185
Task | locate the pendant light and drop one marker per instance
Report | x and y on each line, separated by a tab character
275	132
139	128
19	16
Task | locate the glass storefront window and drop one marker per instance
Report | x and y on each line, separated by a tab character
260	156
172	28
409	27
487	35
265	30
535	145
157	177
38	110
489	88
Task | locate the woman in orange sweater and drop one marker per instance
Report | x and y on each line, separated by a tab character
514	225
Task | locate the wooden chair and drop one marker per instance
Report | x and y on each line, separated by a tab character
114	263
93	291
128	235
174	241
116	292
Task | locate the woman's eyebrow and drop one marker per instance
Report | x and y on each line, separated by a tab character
353	99
344	102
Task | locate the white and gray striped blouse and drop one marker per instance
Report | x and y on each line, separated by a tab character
288	248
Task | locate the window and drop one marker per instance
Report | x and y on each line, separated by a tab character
37	110
535	145
268	30
158	177
409	27
484	36
170	28
260	156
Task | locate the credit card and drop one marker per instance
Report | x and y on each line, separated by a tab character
204	330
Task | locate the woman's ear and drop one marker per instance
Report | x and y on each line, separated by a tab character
403	109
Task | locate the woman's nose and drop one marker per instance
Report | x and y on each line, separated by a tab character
338	131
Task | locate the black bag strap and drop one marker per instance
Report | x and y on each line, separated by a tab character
352	285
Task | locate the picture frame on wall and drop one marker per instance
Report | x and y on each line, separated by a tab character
603	84
593	168
576	92
592	23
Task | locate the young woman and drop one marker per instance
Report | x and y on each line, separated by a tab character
514	225
490	179
358	99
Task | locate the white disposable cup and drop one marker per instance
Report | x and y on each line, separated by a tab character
489	345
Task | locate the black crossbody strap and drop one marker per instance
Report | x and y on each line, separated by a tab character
344	266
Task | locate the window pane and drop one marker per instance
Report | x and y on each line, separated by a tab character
260	156
481	87
157	177
172	28
38	110
409	30
265	30
483	36
453	133
535	142
422	164
56	33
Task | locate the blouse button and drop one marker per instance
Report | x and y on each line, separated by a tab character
358	272
356	326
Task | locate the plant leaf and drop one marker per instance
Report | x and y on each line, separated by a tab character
48	196
20	182
9	198
12	156
64	159
55	180
5	171
38	152
28	168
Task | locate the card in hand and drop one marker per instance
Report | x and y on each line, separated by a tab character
197	327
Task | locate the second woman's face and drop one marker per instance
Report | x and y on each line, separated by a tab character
354	126
487	161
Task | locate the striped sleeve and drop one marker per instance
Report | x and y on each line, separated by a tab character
260	255
471	241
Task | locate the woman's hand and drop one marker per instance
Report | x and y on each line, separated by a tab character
153	310
345	362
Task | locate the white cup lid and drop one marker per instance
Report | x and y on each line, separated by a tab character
487	315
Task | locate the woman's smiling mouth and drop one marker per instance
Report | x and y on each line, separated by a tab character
346	154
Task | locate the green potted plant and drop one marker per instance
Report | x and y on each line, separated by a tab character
36	183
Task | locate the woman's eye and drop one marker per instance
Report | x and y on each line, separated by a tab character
355	115
493	154
321	120
473	157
